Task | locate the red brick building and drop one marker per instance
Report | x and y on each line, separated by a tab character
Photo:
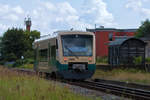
106	35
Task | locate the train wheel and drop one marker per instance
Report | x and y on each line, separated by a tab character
53	75
47	75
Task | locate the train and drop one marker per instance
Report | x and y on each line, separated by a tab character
66	54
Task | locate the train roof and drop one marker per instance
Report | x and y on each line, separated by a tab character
74	32
55	34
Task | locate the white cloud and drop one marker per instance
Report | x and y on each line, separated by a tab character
49	5
4	9
146	11
10	13
12	17
59	16
66	8
18	10
48	17
96	11
3	28
134	4
137	5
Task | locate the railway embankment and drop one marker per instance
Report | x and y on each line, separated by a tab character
128	75
96	95
103	71
21	86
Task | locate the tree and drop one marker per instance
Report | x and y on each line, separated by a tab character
144	29
30	37
34	35
13	43
17	43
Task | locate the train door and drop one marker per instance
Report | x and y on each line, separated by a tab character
36	58
52	57
43	60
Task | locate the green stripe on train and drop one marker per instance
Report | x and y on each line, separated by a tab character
65	66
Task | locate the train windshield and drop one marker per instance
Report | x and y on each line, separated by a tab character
77	45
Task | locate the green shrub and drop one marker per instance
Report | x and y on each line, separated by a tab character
18	63
147	60
26	66
2	62
102	60
29	61
137	60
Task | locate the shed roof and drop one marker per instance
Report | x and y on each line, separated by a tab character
118	41
122	40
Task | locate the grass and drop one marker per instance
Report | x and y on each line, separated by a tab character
126	75
17	86
27	66
102	60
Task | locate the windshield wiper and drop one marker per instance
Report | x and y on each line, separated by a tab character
71	51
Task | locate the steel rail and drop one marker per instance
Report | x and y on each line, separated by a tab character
137	94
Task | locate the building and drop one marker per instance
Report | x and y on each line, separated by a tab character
147	49
126	51
106	35
28	23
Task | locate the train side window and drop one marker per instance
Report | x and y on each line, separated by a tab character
43	54
53	51
56	44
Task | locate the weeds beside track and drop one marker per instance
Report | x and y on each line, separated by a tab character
111	87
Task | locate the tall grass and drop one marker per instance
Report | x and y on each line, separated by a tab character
16	86
101	60
127	75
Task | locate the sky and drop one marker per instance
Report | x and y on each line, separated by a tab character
49	16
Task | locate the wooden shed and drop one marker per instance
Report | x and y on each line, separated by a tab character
146	39
125	51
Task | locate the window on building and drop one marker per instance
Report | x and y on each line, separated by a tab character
110	36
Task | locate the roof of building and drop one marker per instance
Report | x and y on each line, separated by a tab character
117	41
122	40
111	29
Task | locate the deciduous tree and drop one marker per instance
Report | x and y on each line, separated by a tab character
17	42
144	29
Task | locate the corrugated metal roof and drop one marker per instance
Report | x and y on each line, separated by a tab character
119	41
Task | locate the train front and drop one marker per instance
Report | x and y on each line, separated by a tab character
78	55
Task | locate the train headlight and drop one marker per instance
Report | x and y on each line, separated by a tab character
90	58
65	59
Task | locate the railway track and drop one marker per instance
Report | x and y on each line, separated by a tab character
125	84
134	91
